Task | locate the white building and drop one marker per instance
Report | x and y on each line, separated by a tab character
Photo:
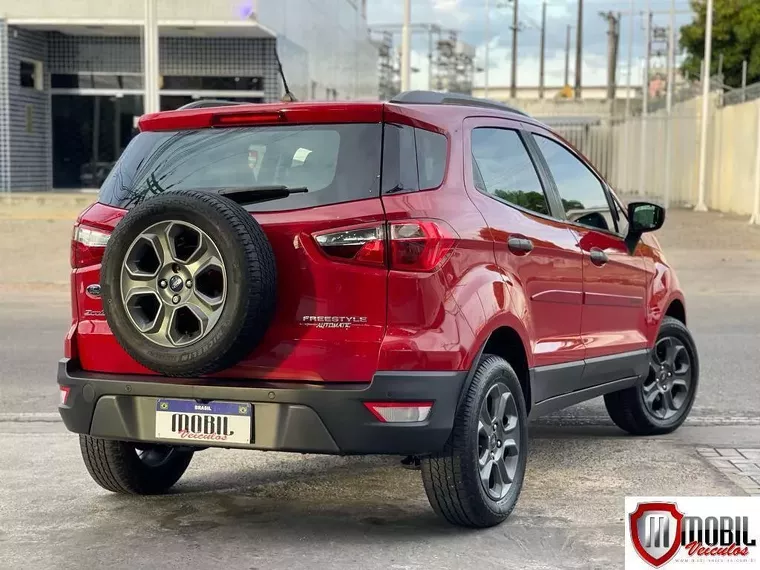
71	71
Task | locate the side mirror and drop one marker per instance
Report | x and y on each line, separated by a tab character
643	217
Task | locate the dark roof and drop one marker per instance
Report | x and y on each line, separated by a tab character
437	98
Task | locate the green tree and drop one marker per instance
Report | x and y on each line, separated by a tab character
533	201
736	35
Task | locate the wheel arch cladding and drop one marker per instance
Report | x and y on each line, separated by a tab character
677	310
506	343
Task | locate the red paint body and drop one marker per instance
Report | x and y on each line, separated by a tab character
562	306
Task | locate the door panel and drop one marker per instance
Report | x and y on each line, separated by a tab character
614	282
539	256
613	310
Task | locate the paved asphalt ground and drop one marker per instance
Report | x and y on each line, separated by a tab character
265	510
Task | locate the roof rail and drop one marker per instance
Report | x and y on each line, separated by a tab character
202	103
437	98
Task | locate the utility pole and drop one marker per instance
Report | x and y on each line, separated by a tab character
430	57
541	68
628	127
613	39
579	51
406	47
701	206
515	29
744	80
488	48
669	103
645	104
567	57
150	56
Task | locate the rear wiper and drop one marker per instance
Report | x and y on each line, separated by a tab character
256	194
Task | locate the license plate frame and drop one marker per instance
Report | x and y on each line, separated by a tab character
204	422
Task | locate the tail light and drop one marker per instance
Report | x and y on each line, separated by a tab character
400	412
420	245
412	245
360	245
87	246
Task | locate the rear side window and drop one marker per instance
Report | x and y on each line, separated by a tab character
413	159
503	168
431	158
337	163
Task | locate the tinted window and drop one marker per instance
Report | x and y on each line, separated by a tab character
582	194
431	158
399	160
413	159
337	163
503	168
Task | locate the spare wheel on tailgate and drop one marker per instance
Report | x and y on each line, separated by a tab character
189	283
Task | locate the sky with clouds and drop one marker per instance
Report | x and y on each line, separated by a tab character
469	17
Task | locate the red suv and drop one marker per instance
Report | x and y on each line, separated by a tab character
416	277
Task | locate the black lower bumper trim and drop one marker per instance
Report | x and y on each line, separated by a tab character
310	418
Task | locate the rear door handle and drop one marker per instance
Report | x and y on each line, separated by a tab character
520	246
598	257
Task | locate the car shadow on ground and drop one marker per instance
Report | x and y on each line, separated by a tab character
341	497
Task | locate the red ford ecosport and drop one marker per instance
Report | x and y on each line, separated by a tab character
414	277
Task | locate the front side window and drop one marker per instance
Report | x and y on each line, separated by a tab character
583	196
503	168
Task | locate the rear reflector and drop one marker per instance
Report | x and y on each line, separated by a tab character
87	246
400	412
64	391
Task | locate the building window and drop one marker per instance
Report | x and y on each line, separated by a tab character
212	83
30	74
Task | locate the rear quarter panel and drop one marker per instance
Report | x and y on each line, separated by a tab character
440	321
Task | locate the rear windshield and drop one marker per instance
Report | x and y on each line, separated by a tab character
337	163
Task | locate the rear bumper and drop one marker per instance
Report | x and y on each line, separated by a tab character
289	416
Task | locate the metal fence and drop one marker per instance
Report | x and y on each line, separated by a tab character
737	96
593	137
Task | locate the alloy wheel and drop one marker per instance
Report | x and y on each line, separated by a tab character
498	437
173	283
667	389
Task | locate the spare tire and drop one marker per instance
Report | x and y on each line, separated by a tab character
188	283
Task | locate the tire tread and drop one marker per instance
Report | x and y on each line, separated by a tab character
114	466
625	408
455	494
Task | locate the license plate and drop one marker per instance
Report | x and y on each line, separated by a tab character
212	422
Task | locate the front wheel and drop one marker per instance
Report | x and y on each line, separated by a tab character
137	469
663	401
476	480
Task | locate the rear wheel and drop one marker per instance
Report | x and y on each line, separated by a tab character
476	480
139	469
663	401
